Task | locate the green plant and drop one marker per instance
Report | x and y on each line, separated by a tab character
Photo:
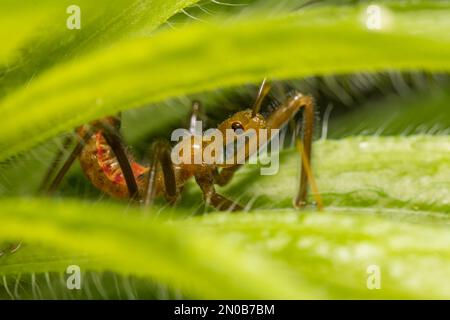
386	198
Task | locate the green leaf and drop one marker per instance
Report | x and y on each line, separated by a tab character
368	172
273	251
424	113
333	250
193	260
42	38
206	56
386	198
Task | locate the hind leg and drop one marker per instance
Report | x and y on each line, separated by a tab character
278	119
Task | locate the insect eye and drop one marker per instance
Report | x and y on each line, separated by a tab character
237	126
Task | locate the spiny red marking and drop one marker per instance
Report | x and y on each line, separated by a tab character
138	169
102	157
116	176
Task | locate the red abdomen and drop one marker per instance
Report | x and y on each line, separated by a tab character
102	168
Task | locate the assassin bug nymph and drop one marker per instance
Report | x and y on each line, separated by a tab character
107	164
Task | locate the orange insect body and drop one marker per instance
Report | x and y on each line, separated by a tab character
109	164
105	169
102	168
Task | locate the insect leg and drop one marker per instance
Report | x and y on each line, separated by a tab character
205	179
160	155
115	142
195	115
306	175
310	176
280	117
54	164
68	163
225	175
12	248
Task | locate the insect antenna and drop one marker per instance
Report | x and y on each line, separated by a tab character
262	93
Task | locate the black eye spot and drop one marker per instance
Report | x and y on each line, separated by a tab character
237	126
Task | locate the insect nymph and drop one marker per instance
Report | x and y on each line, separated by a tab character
107	164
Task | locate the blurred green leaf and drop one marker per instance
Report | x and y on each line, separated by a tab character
193	260
386	197
426	112
206	56
42	40
384	172
273	252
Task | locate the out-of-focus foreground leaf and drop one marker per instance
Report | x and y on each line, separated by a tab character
270	252
210	55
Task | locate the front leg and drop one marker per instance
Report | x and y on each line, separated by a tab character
205	179
225	175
